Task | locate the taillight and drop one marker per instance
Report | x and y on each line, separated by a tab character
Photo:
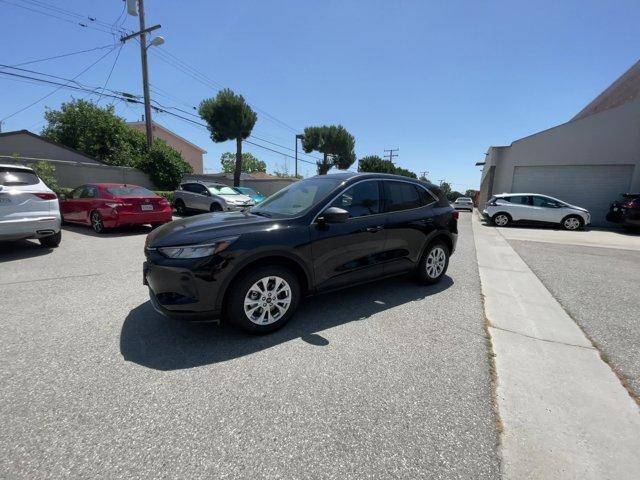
456	214
46	196
164	202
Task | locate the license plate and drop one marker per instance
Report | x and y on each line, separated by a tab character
146	207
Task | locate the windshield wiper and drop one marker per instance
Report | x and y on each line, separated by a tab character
262	214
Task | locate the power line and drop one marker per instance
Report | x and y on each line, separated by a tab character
55	90
62	55
110	73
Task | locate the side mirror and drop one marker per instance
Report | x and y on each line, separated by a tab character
333	215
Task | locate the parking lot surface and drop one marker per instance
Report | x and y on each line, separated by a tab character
387	380
598	288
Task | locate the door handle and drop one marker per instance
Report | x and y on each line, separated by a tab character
374	229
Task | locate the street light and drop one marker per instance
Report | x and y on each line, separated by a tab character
298	136
156	42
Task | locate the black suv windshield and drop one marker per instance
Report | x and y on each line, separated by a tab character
297	197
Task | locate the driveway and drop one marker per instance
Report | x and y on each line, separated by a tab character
388	380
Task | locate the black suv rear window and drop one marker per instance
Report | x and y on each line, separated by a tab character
16	176
401	196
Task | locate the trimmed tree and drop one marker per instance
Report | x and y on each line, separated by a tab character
373	163
229	117
250	164
334	142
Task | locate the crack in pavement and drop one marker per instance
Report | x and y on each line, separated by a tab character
541	339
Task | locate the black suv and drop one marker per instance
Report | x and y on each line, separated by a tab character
318	234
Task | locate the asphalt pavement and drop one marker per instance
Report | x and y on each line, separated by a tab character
386	380
598	287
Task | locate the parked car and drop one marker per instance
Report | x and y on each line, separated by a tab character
111	205
626	211
534	208
463	203
318	234
209	197
256	196
28	208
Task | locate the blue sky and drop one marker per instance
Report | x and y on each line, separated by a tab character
441	81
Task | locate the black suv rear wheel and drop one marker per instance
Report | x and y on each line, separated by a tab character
434	263
264	299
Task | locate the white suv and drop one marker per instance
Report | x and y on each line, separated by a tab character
509	208
28	208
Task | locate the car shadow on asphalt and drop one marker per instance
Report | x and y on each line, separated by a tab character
19	250
151	340
110	232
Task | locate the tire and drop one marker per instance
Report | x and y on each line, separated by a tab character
572	222
181	209
250	286
52	241
215	207
501	219
96	222
434	263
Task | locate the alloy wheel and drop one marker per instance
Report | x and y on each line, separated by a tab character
572	223
436	261
501	220
96	222
267	300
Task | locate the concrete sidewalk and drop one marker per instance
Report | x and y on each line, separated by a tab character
565	413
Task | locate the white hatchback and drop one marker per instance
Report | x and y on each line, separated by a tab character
28	208
534	208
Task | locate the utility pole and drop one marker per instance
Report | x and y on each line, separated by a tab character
299	136
424	174
391	154
145	74
143	56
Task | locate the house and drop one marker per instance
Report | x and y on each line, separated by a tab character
190	152
72	168
261	182
588	161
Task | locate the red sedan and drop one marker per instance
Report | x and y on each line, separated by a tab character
110	205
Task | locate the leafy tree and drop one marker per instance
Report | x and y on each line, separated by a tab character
47	173
452	196
229	117
373	163
446	188
95	131
250	164
164	165
334	142
100	133
470	193
405	173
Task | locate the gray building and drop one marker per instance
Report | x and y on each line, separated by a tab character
588	161
72	168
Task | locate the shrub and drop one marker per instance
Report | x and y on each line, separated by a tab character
47	173
168	194
164	165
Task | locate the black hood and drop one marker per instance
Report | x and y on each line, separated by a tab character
205	228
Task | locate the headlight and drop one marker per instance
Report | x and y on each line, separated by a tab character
197	251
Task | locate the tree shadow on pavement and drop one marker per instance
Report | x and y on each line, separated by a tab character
151	340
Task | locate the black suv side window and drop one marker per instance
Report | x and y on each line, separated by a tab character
401	196
360	200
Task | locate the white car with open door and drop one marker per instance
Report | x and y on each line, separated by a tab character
534	208
28	208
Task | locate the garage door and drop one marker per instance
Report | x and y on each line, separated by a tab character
590	186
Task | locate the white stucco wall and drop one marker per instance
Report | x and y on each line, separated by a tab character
610	137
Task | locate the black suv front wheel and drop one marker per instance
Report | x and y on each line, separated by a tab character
264	299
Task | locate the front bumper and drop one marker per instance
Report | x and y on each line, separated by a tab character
30	227
182	292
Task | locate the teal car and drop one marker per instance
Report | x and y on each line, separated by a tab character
250	192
